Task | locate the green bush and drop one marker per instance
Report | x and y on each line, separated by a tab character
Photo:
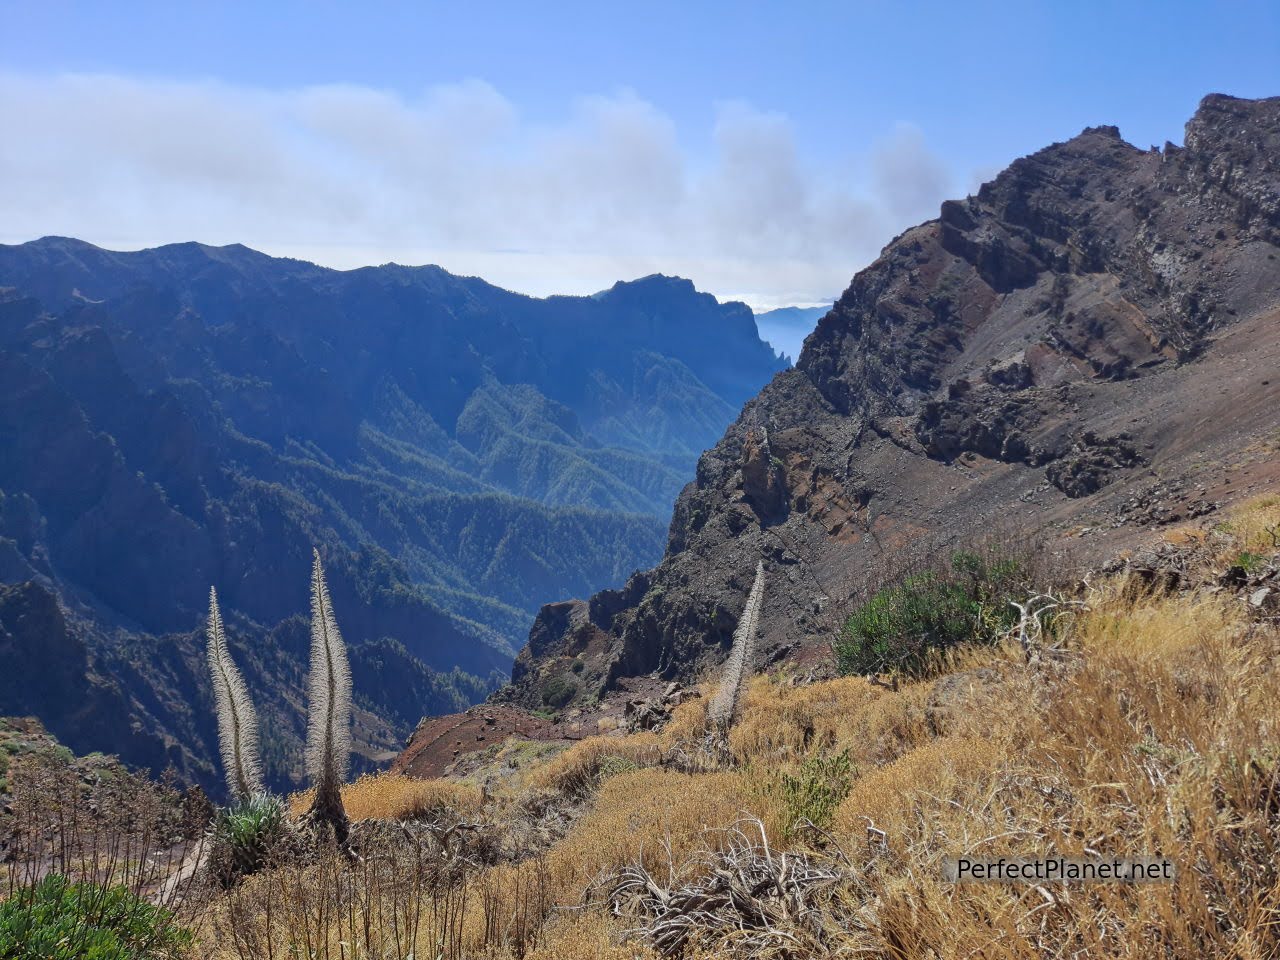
558	692
612	766
1250	562
963	601
60	920
243	839
813	793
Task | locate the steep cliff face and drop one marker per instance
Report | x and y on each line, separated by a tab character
1088	346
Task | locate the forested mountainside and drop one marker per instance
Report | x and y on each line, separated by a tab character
1088	347
189	415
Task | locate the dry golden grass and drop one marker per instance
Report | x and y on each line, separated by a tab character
1143	747
780	723
688	720
1157	736
939	772
783	721
641	815
587	936
578	771
388	796
1251	526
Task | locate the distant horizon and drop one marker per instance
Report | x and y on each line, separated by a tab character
767	154
757	311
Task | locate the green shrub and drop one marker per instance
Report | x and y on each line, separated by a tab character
1250	562
903	624
558	692
245	838
814	793
60	920
612	766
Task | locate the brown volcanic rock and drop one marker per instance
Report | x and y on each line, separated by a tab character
1088	345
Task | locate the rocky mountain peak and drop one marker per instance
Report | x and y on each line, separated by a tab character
1066	350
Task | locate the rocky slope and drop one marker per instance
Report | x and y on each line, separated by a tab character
191	415
1087	347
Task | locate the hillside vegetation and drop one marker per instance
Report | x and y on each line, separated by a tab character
1141	723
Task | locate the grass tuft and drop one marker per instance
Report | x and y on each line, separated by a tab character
389	796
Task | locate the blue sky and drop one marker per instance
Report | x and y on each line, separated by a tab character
765	150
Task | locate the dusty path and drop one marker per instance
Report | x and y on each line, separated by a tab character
438	743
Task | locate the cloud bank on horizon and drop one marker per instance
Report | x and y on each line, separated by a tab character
348	175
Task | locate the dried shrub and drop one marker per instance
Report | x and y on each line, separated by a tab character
738	896
406	898
118	830
514	901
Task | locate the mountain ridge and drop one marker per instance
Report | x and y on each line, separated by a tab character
192	415
1061	355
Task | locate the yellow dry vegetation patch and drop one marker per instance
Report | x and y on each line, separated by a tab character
580	769
652	817
1185	535
1159	738
781	724
1253	527
390	796
688	720
939	772
1154	735
587	936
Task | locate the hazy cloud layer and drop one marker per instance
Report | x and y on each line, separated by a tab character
348	175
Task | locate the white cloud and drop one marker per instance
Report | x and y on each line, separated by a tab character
908	179
348	175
